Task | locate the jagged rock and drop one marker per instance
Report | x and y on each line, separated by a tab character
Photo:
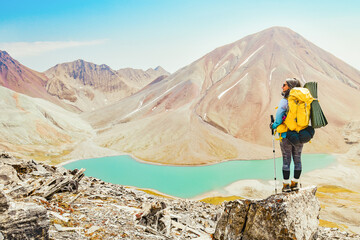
4	205
5	155
12	169
152	215
334	233
93	229
24	221
65	229
24	167
58	216
62	183
17	192
8	174
283	216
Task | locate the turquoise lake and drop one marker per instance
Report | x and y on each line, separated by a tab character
188	182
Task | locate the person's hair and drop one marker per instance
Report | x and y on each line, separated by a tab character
293	82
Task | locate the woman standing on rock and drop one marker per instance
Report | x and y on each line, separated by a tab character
288	149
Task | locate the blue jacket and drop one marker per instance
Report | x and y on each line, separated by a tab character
280	113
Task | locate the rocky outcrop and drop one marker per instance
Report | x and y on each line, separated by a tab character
30	178
24	221
19	220
283	216
4	205
292	215
165	220
8	174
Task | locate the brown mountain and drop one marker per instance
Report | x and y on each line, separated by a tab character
75	85
19	78
139	78
89	86
218	107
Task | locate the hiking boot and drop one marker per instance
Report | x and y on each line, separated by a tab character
294	186
286	187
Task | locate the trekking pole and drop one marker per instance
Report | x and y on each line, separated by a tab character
273	142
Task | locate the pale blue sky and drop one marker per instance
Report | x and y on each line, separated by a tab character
172	34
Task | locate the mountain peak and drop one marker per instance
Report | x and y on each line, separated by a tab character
15	76
80	61
161	71
4	54
281	35
158	68
82	64
278	29
7	59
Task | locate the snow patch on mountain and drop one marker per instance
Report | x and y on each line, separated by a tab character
151	102
221	94
248	58
270	77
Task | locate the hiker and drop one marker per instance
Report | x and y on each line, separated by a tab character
288	149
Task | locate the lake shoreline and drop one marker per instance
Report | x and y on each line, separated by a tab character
177	165
264	188
209	177
333	177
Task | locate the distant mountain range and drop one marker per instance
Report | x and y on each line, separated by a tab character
214	109
89	86
82	85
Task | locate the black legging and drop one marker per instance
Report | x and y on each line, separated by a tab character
289	150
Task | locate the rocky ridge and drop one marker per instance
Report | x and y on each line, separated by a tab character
38	201
21	79
89	86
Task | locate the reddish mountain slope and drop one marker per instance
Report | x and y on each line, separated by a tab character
21	79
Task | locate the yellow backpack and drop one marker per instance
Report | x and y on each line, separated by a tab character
298	116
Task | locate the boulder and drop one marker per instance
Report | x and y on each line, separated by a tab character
24	221
292	215
4	205
152	216
5	155
8	174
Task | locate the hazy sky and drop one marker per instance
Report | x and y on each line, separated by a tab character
172	33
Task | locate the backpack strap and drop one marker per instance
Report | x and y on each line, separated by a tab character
279	138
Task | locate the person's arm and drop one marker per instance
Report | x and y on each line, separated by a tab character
280	113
